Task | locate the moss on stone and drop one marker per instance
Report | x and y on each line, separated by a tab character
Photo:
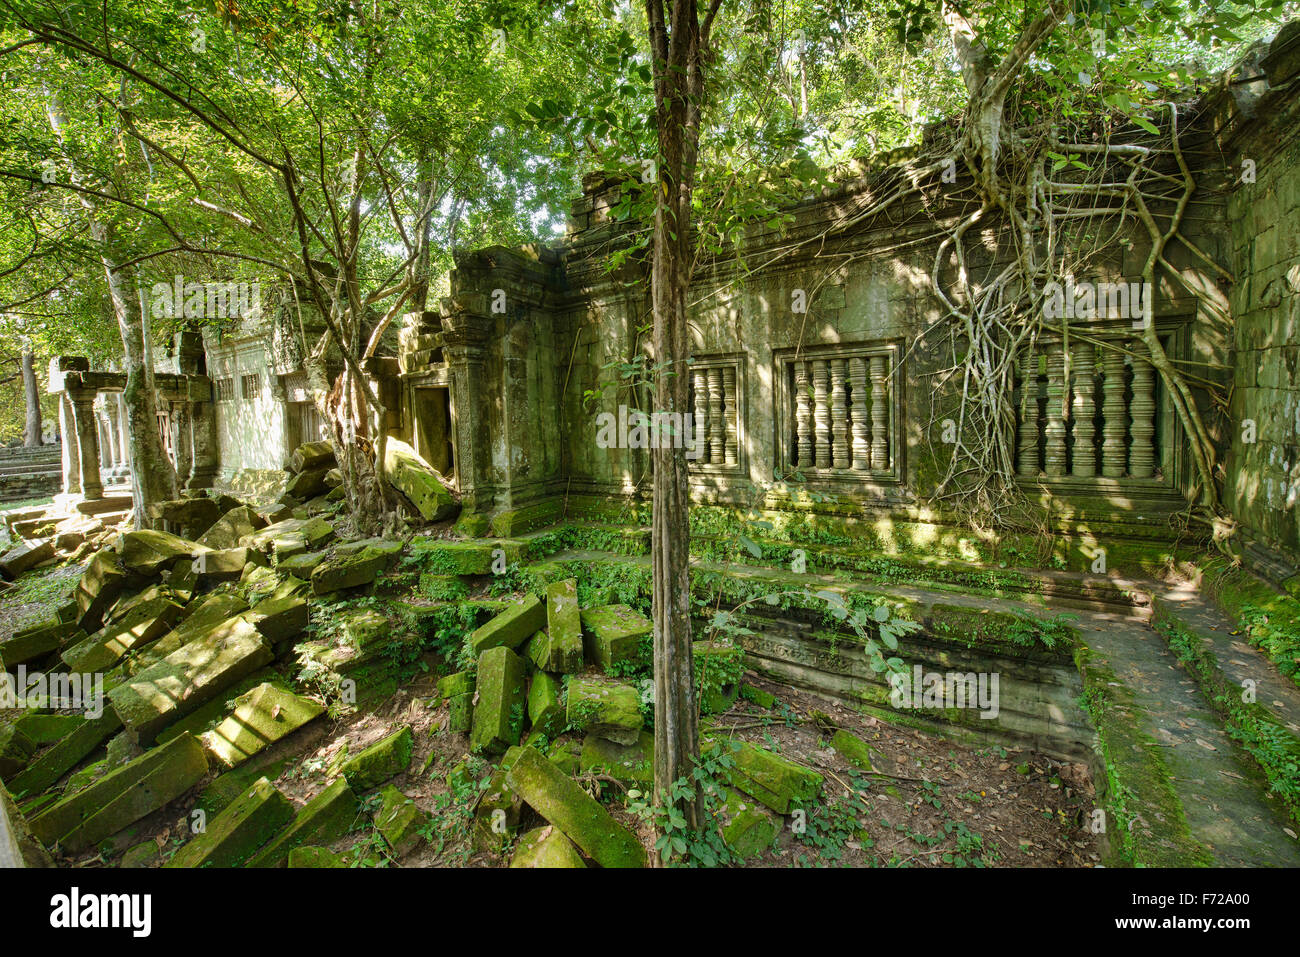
383	760
546	789
234	835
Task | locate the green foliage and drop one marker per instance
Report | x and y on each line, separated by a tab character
680	845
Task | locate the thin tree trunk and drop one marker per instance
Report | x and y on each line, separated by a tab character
153	476
679	87
32	399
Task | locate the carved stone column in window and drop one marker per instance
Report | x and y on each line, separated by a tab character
839	416
822	413
1083	462
1142	411
1112	411
879	415
803	415
717	428
860	410
699	437
731	447
1054	447
1027	452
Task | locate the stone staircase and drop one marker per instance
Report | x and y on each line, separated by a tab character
30	473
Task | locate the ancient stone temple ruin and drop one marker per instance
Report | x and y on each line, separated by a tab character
1090	649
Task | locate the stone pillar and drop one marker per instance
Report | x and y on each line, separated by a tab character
839	415
71	448
1027	453
86	428
202	453
879	415
1142	411
821	413
1112	411
860	410
731	409
1083	461
108	436
123	443
803	416
465	338
1054	452
183	443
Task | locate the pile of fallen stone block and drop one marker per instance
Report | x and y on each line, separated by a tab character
187	640
68	528
193	627
544	696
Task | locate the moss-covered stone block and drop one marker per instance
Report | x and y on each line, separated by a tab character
460	713
99	586
261	717
613	635
748	828
546	847
548	791
311	456
189	677
772	779
546	714
399	821
230	528
496	816
148	551
46	768
143	624
417	480
43	729
226	564
322	820
315	858
608	709
301	565
31	644
511	628
461	682
236	834
630	763
564	627
123	796
16	749
383	760
351	570
852	748
437	587
501	693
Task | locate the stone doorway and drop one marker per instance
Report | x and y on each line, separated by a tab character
433	428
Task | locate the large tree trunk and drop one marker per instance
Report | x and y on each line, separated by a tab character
677	47
32	399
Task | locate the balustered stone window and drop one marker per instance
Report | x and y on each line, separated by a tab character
716	397
839	414
1102	415
225	389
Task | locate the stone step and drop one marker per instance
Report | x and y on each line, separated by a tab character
1186	793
